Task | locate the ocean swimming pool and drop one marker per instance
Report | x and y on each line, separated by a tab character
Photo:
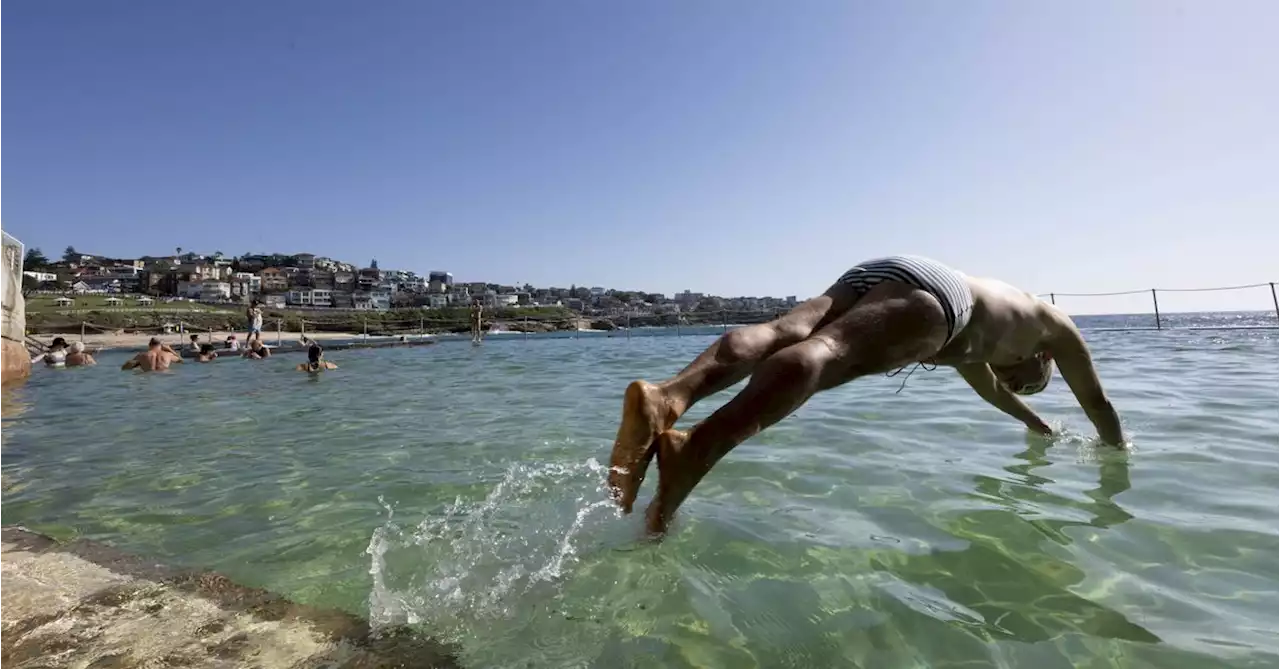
458	489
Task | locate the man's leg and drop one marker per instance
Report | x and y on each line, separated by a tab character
650	408
894	325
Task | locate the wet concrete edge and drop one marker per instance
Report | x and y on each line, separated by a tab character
398	646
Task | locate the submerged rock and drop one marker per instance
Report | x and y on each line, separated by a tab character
84	604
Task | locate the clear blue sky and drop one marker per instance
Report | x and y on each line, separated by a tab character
721	146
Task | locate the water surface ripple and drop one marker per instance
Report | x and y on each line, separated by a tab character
459	489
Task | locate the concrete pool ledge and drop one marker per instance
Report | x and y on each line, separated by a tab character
84	604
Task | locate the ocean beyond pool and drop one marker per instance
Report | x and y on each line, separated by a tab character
458	489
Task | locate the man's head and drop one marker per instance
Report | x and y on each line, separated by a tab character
58	342
195	339
206	349
77	347
154	343
1027	377
314	354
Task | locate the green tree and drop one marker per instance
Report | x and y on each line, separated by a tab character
34	260
70	255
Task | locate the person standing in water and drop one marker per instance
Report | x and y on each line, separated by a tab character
156	358
880	316
78	357
207	353
477	319
315	358
55	356
256	350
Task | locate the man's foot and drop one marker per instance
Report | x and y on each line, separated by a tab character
646	412
678	472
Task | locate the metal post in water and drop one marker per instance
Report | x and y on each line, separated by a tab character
724	321
677	325
422	327
279	331
365	321
1156	304
1273	290
1274	301
526	327
1051	300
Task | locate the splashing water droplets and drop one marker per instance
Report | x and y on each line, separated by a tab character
474	560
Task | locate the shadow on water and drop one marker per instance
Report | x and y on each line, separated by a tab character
1021	591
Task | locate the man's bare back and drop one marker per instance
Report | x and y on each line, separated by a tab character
156	358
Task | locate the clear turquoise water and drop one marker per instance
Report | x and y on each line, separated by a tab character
459	489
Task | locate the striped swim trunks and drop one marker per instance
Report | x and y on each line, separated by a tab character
931	276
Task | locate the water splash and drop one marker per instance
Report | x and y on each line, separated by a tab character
485	559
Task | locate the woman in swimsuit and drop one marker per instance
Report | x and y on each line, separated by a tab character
56	356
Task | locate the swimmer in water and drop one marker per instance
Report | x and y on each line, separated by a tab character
315	359
194	345
56	356
156	358
78	357
477	318
257	350
207	353
880	316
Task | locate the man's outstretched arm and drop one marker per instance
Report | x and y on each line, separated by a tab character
983	381
1076	365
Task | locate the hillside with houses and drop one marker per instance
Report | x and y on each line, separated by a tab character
310	282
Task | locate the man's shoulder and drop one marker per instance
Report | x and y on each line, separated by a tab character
1056	322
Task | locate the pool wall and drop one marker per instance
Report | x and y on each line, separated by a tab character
85	604
16	362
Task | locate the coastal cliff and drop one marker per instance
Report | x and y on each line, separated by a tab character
16	362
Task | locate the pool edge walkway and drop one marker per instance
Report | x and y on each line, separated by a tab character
85	604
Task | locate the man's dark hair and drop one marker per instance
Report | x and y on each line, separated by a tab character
206	348
313	353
